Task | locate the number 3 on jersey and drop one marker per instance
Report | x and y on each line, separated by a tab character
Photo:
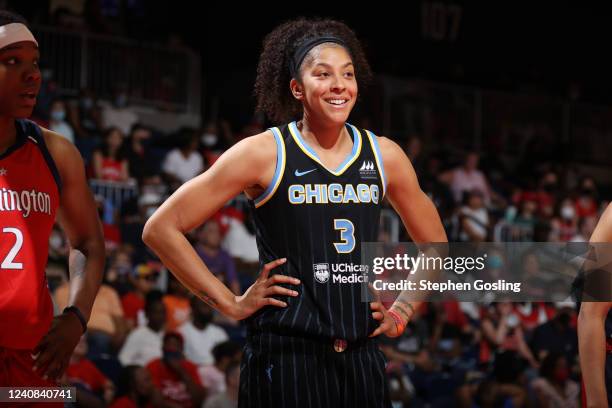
347	236
8	263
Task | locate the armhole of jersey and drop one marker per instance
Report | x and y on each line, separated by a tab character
379	159
40	140
278	172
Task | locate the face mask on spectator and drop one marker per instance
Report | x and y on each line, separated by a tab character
567	212
209	139
55	241
58	115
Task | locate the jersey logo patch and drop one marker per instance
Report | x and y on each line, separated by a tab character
3	171
367	170
301	173
321	272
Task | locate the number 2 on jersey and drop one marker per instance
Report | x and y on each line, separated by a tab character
347	235
8	263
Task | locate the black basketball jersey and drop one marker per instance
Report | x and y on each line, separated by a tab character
317	218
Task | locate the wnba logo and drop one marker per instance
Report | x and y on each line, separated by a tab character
321	272
366	170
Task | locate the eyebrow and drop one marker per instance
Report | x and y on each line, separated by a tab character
329	66
15	47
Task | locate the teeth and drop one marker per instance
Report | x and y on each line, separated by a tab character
337	101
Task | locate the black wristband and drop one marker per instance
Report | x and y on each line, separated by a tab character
75	310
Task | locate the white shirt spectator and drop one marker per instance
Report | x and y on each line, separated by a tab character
122	118
469	181
181	167
239	243
213	379
478	220
141	346
199	343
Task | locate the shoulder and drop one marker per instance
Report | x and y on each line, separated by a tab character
388	148
59	147
185	328
260	147
216	331
395	161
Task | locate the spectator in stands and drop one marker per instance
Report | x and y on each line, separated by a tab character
586	203
144	343
119	113
200	334
502	332
184	162
144	277
106	329
138	154
220	263
558	335
213	376
108	161
564	223
473	218
215	139
413	151
523	226
229	397
535	281
85	116
467	178
176	377
83	374
554	388
119	270
586	226
57	120
137	390
177	304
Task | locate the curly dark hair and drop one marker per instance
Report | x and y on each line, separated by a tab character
272	91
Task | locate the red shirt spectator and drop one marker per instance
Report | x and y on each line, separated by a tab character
169	383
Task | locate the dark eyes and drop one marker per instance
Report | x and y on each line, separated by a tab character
326	74
15	61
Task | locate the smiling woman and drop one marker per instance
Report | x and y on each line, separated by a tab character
315	185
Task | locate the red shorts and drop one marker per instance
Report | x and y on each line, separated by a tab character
16	371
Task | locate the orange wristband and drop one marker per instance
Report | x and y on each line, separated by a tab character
399	322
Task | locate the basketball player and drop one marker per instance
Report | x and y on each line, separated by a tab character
41	176
595	326
315	187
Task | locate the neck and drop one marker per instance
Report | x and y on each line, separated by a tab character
327	136
200	325
8	133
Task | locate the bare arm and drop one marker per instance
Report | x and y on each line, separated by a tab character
78	217
418	213
97	164
591	331
246	165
